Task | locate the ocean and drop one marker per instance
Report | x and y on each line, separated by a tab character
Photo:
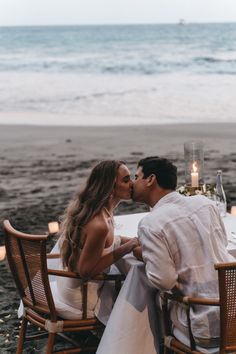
121	74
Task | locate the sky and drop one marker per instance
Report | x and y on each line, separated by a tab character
80	12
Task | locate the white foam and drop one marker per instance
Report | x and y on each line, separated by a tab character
77	99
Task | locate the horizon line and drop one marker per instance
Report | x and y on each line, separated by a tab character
120	24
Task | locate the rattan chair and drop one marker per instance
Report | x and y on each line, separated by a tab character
27	259
227	304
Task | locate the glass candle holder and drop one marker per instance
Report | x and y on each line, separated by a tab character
194	163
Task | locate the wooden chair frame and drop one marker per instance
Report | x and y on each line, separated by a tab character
227	304
39	307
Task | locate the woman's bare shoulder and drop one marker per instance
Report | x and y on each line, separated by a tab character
98	225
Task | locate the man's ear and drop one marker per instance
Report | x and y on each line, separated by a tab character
151	180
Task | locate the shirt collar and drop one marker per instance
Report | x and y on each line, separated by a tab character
168	198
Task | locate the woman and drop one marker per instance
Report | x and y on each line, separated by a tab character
88	244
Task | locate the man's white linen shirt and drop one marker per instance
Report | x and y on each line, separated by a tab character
182	238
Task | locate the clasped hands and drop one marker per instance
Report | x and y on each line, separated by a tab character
137	251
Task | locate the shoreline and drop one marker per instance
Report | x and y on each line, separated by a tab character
123	138
165	124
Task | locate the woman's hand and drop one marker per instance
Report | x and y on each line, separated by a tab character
132	243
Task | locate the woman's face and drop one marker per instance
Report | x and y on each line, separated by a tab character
123	186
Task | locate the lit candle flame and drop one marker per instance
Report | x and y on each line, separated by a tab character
194	167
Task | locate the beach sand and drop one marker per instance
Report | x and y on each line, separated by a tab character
42	167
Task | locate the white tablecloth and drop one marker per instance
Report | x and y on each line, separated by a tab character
133	324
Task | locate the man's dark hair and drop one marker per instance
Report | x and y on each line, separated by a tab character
163	169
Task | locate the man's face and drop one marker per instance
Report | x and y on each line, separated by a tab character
139	186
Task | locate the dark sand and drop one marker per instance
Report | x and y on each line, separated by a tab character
42	167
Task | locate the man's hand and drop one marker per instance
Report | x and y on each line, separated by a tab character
137	251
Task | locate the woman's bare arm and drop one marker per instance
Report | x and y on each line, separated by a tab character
124	239
112	257
92	260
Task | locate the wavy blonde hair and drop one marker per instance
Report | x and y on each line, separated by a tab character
84	207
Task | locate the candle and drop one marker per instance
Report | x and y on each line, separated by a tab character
194	175
53	227
233	210
2	253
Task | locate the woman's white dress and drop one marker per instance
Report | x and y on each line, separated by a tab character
68	295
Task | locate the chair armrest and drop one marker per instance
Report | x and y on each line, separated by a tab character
191	300
188	301
201	301
104	276
65	273
53	255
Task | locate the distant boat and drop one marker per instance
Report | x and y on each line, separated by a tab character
182	21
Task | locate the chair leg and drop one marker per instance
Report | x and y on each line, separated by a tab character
22	336
51	338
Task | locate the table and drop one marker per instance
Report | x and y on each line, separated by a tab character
126	225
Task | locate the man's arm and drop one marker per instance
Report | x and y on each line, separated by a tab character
160	268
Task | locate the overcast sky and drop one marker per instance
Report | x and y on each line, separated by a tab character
56	12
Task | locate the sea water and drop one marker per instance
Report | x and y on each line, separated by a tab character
133	74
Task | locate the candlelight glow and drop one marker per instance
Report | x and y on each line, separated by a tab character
233	210
53	227
2	253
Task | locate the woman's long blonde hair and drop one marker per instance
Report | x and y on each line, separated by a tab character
86	204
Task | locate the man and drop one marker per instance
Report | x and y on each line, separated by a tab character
181	240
